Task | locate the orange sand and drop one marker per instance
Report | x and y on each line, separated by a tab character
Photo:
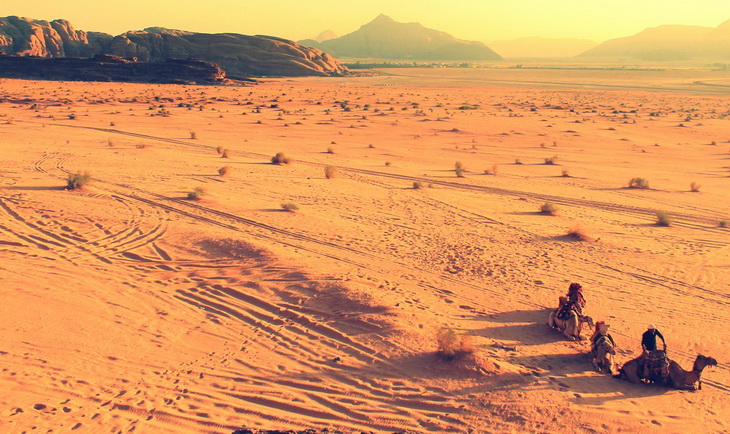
126	306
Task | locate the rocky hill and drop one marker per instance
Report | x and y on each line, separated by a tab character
385	38
666	43
537	47
238	55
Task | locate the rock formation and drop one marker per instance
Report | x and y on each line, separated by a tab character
239	55
385	38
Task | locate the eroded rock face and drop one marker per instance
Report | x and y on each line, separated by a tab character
238	55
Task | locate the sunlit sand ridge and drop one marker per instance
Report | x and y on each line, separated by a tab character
127	305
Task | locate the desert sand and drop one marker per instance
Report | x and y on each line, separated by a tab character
126	306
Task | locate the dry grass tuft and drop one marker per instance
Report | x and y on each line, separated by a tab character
77	180
289	206
280	159
219	150
225	170
417	185
551	160
565	173
663	219
225	154
193	135
640	183
330	150
197	193
460	172
330	172
548	208
578	233
451	345
694	187
458	165
492	170
723	224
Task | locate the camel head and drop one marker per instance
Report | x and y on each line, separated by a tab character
703	361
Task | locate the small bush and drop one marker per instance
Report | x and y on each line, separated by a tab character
578	233
640	183
492	171
291	207
225	154
387	163
417	185
565	173
138	146
77	180
518	161
694	187
280	159
722	224
193	135
552	160
330	172
219	150
330	150
225	170
196	194
458	165
452	345
548	208
459	173
663	219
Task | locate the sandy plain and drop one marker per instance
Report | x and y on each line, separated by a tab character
126	307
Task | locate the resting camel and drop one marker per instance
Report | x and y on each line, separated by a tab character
602	353
677	378
572	326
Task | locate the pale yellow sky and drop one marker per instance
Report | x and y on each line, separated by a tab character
481	20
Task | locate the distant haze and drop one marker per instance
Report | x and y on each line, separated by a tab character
476	20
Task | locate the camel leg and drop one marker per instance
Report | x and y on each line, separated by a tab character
596	365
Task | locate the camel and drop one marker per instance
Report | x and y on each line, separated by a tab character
602	355
572	326
677	378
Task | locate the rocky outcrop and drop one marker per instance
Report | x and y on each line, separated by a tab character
239	55
385	38
110	68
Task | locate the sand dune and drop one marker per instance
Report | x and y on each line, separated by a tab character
127	306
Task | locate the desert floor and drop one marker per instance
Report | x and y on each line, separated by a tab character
126	306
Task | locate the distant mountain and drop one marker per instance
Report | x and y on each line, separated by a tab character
537	47
236	54
326	36
669	43
385	38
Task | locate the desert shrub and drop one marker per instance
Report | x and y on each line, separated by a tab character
551	160
417	185
694	187
518	161
458	165
225	170
77	180
280	158
289	206
548	208
492	171
387	163
723	224
219	150
330	172
330	150
459	172
639	183
578	233
193	135
225	154
452	345
197	193
663	219
565	173
138	146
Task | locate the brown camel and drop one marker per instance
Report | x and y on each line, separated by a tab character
677	378
572	326
602	355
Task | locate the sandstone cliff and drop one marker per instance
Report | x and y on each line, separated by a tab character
238	55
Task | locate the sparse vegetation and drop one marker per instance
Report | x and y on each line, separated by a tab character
565	173
280	159
330	172
723	224
197	193
226	154
460	173
640	183
452	345
458	165
193	135
289	206
387	163
548	208
492	171
330	150
694	187
77	180
663	219
224	171
577	232
417	185
518	161
219	150
551	160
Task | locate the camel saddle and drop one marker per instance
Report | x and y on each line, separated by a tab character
658	365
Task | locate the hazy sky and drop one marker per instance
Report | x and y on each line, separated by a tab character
481	20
